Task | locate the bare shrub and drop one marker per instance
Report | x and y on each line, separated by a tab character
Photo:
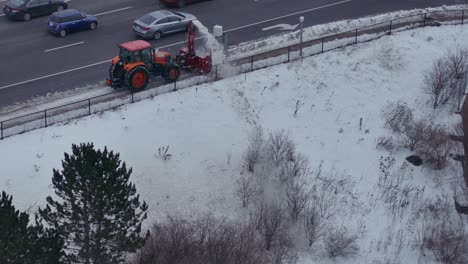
448	242
437	147
398	196
255	148
444	80
414	134
281	148
313	224
169	242
247	189
270	221
398	116
201	241
340	242
163	153
296	198
281	252
331	191
386	143
437	82
248	248
458	62
219	244
298	166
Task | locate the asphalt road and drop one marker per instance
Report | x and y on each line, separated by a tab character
36	63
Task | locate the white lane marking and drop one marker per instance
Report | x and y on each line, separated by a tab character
113	11
66	1
282	27
2	14
66	46
292	14
3	1
55	74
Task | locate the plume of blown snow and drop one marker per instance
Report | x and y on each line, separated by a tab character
216	49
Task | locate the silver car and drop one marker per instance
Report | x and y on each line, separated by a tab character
161	22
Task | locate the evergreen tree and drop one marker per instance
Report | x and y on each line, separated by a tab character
24	244
47	244
14	233
98	211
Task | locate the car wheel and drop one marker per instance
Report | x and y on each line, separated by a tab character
157	35
137	78
181	3
93	26
27	17
60	8
63	33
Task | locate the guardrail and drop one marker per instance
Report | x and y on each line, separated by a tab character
312	47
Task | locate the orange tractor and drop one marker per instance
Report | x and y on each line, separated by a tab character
138	61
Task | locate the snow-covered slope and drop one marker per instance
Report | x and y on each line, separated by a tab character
206	128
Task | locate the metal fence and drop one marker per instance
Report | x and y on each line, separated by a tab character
312	47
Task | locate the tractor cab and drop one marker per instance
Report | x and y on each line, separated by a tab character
127	56
135	52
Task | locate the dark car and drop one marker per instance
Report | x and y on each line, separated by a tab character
70	20
178	3
26	9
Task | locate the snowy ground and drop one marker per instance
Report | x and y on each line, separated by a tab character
206	129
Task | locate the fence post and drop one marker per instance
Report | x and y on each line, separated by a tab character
132	98
301	22
322	45
289	50
425	16
1	128
89	106
355	40
463	16
216	72
251	63
390	27
45	117
175	86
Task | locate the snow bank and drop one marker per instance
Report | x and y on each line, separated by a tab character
258	46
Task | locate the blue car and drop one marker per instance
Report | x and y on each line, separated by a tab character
70	20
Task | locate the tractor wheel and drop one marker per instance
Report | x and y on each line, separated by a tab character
60	8
27	17
181	3
93	26
116	74
171	74
63	33
157	35
137	78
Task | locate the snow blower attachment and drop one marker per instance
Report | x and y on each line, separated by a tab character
187	57
138	61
